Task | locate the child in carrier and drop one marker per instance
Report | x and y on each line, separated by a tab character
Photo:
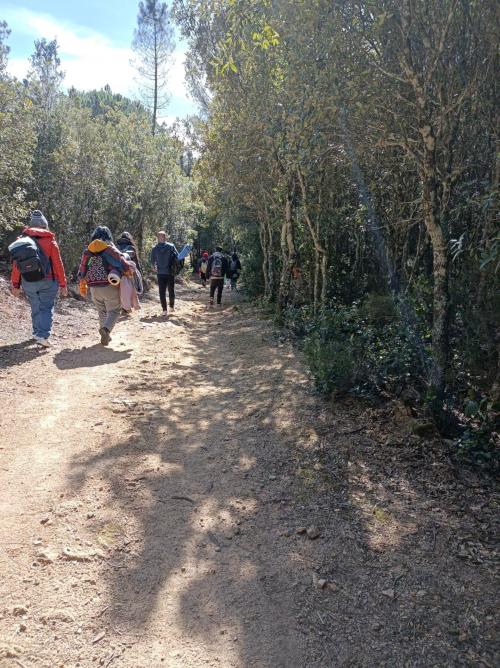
101	269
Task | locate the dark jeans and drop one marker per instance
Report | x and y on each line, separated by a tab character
166	281
216	284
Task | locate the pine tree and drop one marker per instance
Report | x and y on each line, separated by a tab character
153	44
4	49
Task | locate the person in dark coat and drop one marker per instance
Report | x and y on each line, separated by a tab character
164	260
217	270
234	270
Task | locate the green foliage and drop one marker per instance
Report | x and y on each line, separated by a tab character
479	443
88	159
17	143
366	348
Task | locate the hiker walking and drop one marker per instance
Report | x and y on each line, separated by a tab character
38	269
101	269
204	268
217	270
164	261
234	270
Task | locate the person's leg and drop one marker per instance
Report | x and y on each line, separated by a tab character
233	284
31	292
162	289
171	291
47	294
220	287
100	304
113	306
213	285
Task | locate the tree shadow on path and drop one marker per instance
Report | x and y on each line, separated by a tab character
213	481
207	562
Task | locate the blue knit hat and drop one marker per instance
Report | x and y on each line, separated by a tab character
39	220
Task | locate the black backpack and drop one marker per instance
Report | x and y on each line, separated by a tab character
31	261
125	247
216	270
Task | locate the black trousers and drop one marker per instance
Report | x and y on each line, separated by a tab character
216	284
166	281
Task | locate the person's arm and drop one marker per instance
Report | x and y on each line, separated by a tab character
209	266
57	265
84	262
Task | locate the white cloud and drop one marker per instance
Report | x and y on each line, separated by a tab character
89	59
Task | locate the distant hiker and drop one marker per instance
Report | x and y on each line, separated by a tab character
101	269
234	270
204	269
126	245
217	270
164	261
39	270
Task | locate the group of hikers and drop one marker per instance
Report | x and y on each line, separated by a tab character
111	272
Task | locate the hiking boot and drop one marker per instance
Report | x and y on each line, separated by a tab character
43	342
105	337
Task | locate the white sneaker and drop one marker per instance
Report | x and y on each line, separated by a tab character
42	342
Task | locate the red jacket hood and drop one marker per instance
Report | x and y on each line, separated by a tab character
38	232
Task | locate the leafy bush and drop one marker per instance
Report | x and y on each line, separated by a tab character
364	348
331	363
479	444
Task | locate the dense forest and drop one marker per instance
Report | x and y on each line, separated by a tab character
348	150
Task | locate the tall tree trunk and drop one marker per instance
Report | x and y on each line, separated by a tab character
265	253
287	254
155	91
270	258
441	302
320	253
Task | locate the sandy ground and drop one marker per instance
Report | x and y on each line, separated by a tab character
154	498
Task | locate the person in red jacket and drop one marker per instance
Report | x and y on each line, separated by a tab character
42	294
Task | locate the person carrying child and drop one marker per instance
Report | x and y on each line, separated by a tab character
101	269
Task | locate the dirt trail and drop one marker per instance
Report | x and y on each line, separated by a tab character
150	498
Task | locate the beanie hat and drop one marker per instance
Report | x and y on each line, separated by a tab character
103	233
39	220
205	254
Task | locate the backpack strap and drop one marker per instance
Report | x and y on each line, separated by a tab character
48	259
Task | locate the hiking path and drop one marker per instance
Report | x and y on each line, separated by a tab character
184	498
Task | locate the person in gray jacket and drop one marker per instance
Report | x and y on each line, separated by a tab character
164	260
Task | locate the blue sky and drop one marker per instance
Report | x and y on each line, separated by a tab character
94	39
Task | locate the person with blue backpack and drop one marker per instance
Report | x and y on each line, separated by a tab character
164	260
38	271
101	269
